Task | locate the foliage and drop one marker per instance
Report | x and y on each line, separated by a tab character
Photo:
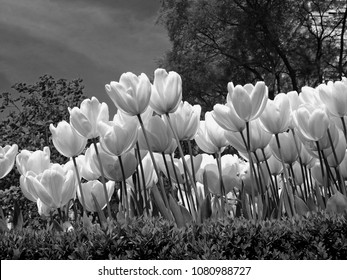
320	236
26	115
285	43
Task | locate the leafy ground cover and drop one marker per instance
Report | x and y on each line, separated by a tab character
313	237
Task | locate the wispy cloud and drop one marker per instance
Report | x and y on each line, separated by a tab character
95	40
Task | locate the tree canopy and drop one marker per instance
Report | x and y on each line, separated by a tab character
286	43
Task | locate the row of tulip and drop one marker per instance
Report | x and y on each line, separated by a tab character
291	153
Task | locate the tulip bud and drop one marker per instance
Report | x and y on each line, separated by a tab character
54	187
288	148
185	120
210	137
66	140
276	115
334	96
117	138
36	162
132	94
95	187
86	118
7	157
166	92
249	101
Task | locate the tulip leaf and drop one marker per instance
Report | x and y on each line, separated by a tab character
2	216
101	214
176	211
158	200
319	197
186	215
337	204
205	210
3	226
311	204
86	221
300	206
286	202
17	217
56	226
260	206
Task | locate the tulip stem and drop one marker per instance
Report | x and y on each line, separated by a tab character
300	160
222	189
273	188
79	184
102	179
344	127
191	159
125	193
336	160
251	167
166	202
179	185
143	177
286	181
167	169
185	166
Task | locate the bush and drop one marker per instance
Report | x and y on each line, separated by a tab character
320	237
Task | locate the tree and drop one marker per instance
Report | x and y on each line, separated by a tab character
278	41
26	115
33	107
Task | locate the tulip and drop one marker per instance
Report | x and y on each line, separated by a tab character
117	137
66	139
166	92
112	166
309	95
288	148
210	137
339	152
249	101
7	158
185	120
276	115
173	169
36	162
95	187
148	172
42	208
259	138
343	166
159	135
131	94
311	122
334	96
230	179
227	118
55	187
316	172
87	166
275	166
86	118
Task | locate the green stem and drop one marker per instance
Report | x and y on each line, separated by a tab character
222	188
191	159
103	179
185	166
127	210
285	173
344	127
143	177
166	202
79	184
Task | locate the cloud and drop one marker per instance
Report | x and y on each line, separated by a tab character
94	40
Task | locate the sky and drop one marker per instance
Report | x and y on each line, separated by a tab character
96	40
